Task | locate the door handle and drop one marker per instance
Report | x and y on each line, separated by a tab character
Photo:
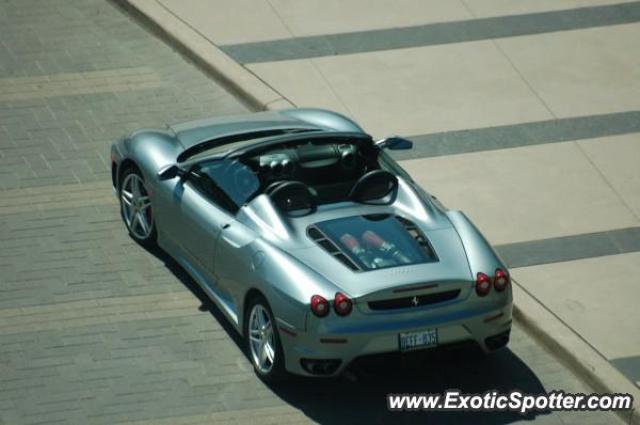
237	236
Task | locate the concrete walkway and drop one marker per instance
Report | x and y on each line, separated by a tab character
526	116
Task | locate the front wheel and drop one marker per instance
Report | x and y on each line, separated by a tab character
135	206
263	342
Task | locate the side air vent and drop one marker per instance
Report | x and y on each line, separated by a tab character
417	235
319	238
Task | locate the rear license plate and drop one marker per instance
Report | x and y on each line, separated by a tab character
416	340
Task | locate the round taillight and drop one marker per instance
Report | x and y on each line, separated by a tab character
483	284
342	304
319	306
500	280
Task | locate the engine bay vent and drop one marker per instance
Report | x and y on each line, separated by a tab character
417	235
314	233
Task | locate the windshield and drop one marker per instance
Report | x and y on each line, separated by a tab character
230	181
229	143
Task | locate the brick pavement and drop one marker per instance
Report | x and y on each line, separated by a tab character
94	329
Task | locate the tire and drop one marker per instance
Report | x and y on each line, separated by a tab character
136	209
269	369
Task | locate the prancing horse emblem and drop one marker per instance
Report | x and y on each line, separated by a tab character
415	301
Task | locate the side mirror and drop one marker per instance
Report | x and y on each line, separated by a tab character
170	172
394	143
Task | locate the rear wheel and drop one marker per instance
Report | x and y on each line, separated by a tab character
135	206
262	341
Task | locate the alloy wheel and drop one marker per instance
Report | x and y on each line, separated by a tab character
261	339
136	207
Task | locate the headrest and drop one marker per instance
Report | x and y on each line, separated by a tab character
292	197
375	187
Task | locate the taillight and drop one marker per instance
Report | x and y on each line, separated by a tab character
483	284
500	280
342	304
319	306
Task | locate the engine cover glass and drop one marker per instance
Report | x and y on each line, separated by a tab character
378	241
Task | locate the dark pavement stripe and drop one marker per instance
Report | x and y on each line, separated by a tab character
567	248
525	134
630	367
433	34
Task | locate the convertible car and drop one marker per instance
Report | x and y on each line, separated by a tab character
314	243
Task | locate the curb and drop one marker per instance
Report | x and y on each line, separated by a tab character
552	333
573	351
247	87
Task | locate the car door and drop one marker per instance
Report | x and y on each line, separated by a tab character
203	221
204	204
196	222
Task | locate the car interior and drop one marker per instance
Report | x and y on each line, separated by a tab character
299	176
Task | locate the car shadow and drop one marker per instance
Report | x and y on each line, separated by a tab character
359	396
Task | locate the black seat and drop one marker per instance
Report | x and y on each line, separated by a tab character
375	187
292	197
273	185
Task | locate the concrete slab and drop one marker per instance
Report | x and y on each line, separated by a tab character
313	17
305	84
241	21
238	21
630	367
573	350
307	47
484	8
570	248
418	90
525	134
617	159
584	72
525	193
582	294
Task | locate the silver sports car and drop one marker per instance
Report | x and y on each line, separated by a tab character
315	244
